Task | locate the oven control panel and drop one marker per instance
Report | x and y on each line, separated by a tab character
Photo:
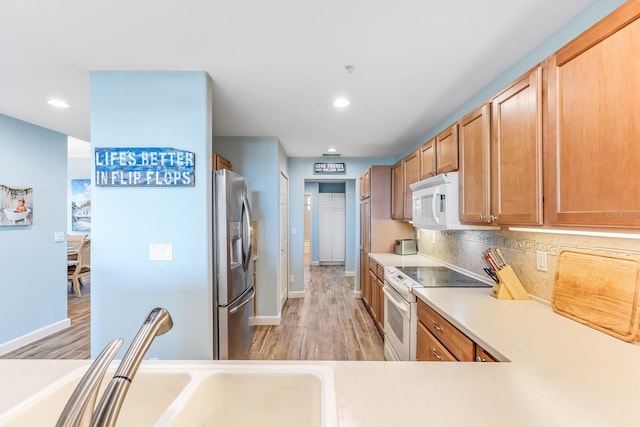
396	277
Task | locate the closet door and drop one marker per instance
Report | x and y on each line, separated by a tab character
324	227
331	224
338	228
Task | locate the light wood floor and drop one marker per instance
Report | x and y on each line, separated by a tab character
328	324
72	343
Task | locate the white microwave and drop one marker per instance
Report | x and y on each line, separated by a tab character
435	202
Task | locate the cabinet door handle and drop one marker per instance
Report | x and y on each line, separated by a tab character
435	354
493	218
436	327
481	217
480	359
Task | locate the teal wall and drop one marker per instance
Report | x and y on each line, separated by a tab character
153	109
260	161
594	13
331	187
33	277
300	171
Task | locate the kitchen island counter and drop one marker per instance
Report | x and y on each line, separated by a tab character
421	393
558	373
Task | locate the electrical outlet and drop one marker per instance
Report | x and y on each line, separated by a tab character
58	236
434	237
541	260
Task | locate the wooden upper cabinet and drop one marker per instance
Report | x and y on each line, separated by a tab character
428	159
397	191
475	185
411	172
447	149
220	163
592	156
365	185
516	151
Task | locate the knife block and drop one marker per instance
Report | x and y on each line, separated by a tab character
509	286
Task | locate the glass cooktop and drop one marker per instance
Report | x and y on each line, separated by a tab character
431	277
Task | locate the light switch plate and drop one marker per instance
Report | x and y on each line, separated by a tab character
541	260
58	236
160	252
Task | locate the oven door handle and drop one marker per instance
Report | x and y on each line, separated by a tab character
399	305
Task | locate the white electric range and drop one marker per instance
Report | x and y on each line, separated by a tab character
400	304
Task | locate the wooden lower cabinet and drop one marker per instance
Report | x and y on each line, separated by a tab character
439	340
365	288
373	297
429	349
483	356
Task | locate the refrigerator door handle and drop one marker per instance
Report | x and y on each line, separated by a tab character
246	254
245	302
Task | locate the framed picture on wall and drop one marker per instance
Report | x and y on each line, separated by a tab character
16	206
81	205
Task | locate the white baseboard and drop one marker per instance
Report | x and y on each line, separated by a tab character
357	295
265	320
314	263
33	336
349	273
296	294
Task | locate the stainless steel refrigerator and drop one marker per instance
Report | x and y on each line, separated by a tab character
233	289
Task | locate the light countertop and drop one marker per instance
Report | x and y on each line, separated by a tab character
560	373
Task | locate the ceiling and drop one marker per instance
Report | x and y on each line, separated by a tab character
277	65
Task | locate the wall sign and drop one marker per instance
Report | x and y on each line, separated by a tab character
329	168
144	167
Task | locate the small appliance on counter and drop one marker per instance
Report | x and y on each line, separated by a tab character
406	247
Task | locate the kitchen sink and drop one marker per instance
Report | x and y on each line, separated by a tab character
149	395
266	397
193	394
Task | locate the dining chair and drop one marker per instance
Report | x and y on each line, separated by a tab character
74	240
82	268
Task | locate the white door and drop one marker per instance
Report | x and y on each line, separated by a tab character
338	228
324	234
331	227
284	239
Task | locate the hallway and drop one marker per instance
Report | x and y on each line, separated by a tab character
328	324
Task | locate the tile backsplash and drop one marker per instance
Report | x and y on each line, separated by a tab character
464	249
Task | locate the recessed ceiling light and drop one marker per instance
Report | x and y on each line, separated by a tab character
332	150
341	102
59	103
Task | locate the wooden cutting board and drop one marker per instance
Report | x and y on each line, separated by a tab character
601	291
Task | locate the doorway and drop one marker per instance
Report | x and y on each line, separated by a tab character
284	239
307	229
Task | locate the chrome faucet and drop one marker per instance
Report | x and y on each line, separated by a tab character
79	409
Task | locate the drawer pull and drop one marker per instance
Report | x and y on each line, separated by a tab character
435	354
436	327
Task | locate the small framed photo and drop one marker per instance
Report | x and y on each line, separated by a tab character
16	205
